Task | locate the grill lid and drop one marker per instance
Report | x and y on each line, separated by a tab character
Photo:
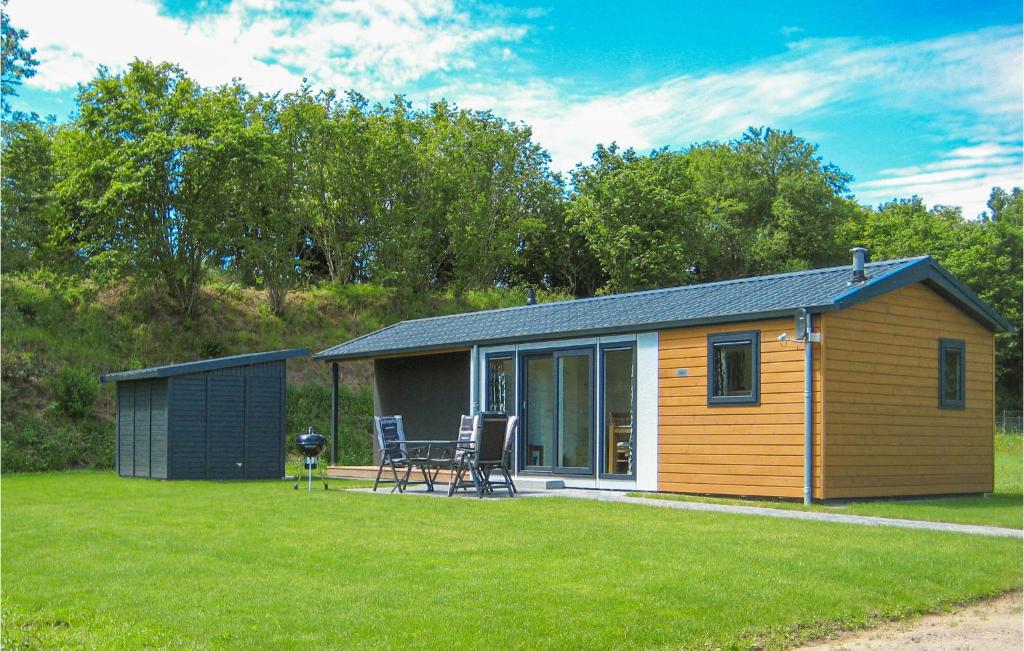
311	444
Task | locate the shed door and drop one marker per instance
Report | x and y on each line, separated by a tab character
125	429
264	429
143	432
225	436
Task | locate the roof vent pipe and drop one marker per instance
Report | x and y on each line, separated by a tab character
531	296
860	255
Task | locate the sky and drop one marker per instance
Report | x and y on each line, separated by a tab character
910	98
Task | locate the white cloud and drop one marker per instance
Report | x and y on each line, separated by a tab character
963	177
962	92
378	47
965	90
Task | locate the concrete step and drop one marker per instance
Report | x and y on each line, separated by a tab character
539	483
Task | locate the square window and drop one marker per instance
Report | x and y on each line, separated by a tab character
734	368
951	374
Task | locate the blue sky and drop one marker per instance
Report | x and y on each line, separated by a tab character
908	97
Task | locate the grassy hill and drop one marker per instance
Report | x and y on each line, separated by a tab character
58	334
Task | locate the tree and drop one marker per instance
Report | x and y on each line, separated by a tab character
329	140
18	62
777	205
28	201
144	177
984	254
641	218
1005	220
264	197
492	184
761	204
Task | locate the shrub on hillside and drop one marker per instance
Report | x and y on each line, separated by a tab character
310	406
34	442
75	391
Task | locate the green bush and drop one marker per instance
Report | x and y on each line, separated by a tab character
310	406
75	391
34	442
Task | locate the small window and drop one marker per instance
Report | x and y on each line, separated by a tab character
734	368
951	374
501	383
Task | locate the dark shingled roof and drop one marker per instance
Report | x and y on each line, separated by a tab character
204	365
817	290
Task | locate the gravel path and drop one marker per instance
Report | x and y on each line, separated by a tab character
993	625
617	496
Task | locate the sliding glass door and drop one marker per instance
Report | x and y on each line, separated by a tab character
558	411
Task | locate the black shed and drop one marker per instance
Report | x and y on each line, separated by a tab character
218	418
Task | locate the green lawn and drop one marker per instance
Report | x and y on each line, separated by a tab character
1003	508
91	560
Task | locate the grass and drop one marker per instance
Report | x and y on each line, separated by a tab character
96	561
1002	508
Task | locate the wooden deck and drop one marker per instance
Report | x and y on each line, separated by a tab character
370	472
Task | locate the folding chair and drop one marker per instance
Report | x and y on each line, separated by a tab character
469	431
394	452
506	461
486	455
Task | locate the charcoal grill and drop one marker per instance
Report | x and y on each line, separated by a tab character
311	445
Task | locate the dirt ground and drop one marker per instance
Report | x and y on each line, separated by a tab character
992	625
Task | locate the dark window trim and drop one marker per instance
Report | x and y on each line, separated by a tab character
603	425
504	354
752	336
961	347
554	351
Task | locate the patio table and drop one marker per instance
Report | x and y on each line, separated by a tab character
429	461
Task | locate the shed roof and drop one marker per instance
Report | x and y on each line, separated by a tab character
204	365
742	299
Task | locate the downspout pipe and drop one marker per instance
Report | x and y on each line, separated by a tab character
474	380
808	412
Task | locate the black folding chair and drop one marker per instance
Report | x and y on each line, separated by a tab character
395	453
486	455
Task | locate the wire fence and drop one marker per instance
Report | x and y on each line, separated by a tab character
1011	422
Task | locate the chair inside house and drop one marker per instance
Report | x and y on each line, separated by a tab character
620	443
395	453
486	454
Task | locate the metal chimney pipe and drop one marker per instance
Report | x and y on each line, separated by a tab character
860	255
531	296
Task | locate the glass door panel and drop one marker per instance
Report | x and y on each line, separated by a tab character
538	421
619	441
575	414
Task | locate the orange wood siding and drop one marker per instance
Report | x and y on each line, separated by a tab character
735	450
885	434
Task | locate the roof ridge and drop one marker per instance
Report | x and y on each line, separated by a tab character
642	292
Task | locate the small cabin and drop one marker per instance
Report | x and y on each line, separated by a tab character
212	419
844	382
